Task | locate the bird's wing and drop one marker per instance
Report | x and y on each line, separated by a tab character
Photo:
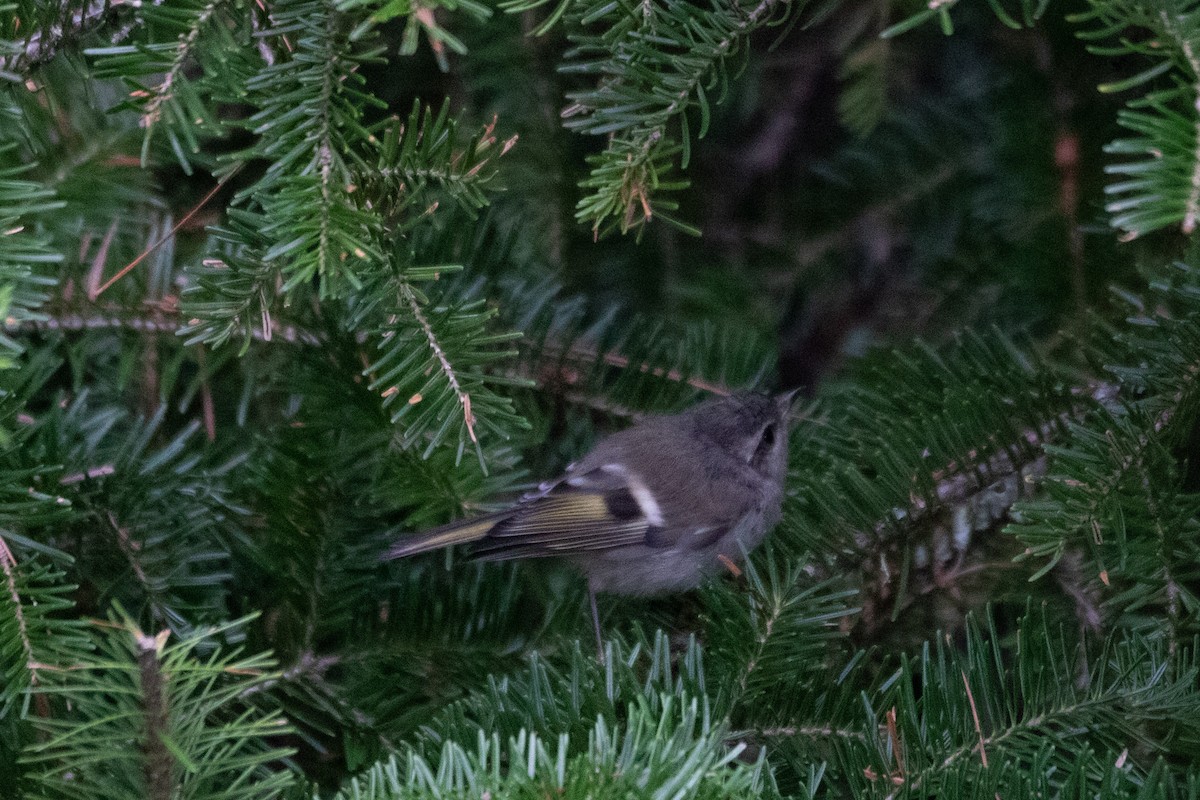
595	510
459	532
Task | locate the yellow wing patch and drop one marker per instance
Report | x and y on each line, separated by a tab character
570	522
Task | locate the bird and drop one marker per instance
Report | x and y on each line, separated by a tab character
651	509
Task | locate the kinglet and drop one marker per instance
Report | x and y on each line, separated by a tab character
650	509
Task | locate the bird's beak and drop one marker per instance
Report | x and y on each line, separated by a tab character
785	400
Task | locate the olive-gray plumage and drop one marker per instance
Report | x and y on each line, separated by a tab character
650	509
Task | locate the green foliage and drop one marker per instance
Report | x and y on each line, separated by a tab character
1027	13
1117	491
674	753
952	709
421	164
149	517
195	55
310	129
269	270
945	427
777	624
1153	191
654	62
24	250
178	712
36	633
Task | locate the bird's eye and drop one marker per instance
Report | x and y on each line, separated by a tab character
768	436
765	443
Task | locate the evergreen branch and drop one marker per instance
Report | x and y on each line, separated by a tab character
980	492
309	122
566	696
553	367
431	361
166	511
584	354
1115	491
1033	708
64	24
656	61
1161	187
35	634
23	250
420	162
9	564
973	467
111	318
158	763
195	738
235	289
779	627
129	549
1167	382
1114	494
626	363
166	91
194	50
672	752
464	399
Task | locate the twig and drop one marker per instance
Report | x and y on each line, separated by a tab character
809	731
129	548
121	273
153	110
158	763
761	645
105	319
975	716
464	399
897	747
94	273
43	46
8	563
585	354
206	398
90	473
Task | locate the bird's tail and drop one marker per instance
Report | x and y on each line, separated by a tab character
461	532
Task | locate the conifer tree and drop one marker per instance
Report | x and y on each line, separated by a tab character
284	280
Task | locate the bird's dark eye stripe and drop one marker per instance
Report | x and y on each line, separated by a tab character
622	504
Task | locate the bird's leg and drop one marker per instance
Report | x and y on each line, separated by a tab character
596	623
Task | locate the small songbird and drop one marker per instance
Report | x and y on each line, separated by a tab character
650	509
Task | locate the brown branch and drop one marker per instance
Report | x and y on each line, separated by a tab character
207	408
975	716
129	548
818	732
464	399
158	764
44	45
112	318
584	354
897	746
121	273
162	93
91	473
8	563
